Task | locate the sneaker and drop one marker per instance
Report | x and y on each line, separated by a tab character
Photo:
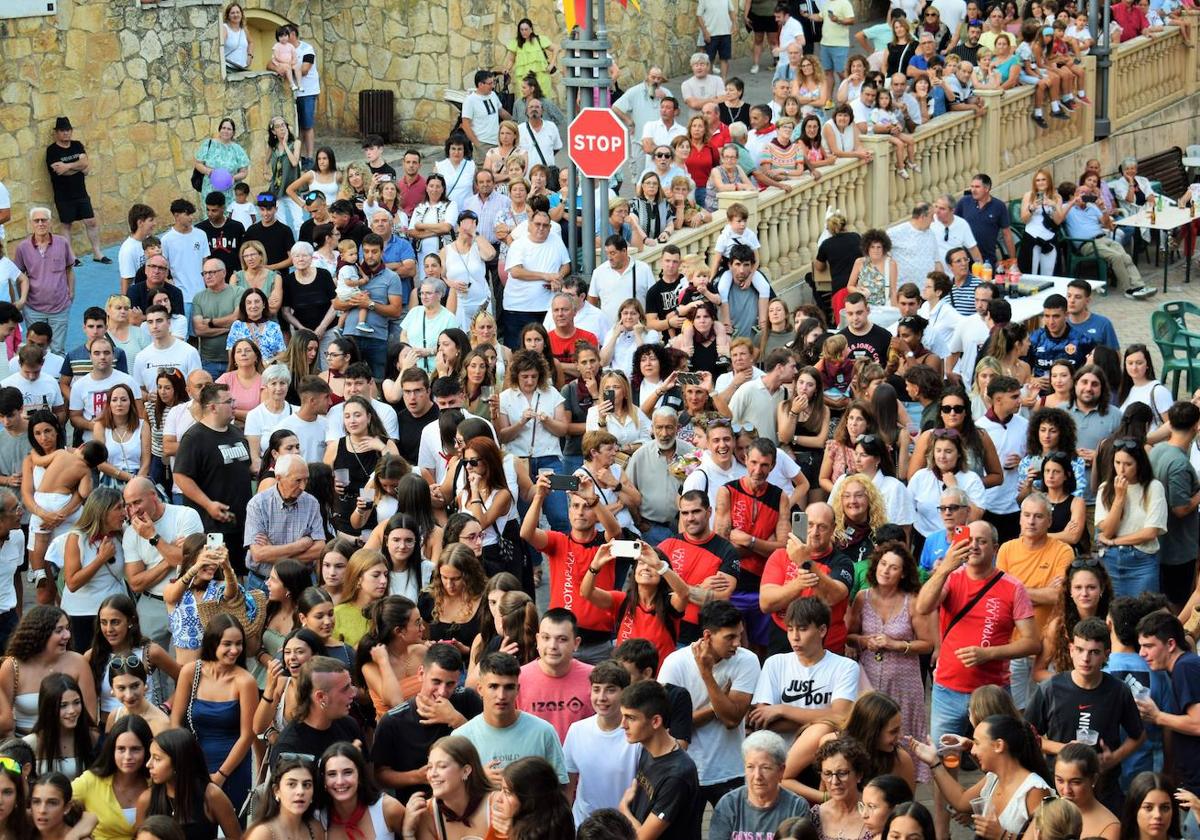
103	260
903	173
1040	120
1083	98
1143	292
1060	115
364	328
754	68
915	167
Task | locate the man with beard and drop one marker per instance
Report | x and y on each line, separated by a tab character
649	469
707	562
382	295
1095	419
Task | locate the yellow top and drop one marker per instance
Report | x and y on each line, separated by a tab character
97	796
349	624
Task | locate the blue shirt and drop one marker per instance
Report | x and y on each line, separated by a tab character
1084	222
380	287
1098	330
398	249
986	223
936	546
1044	349
1120	664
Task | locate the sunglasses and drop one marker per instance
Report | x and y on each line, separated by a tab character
1125	443
471	462
740	428
866	439
1085	562
120	663
720	421
265	197
1056	455
662	155
946	235
953	409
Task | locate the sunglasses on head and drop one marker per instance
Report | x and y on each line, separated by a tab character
740	428
1125	443
119	663
1085	562
945	434
867	439
268	197
10	765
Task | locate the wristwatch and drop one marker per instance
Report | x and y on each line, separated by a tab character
154	541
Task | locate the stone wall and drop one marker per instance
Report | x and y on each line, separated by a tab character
143	88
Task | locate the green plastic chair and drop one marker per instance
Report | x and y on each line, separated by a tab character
1081	252
1179	348
1014	221
1179	310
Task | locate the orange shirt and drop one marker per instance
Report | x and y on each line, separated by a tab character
1036	568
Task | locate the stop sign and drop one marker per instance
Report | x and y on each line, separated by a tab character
597	142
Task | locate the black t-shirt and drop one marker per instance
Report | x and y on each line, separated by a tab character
578	400
224	241
306	231
409	442
140	296
219	463
839	252
300	738
731	115
309	302
668	787
356	231
1060	708
873	345
680	722
66	187
402	742
663	298
276	239
383	169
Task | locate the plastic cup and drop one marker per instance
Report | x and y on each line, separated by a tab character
1087	736
341	476
978	804
367	494
1142	693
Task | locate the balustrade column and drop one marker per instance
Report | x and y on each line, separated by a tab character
990	139
879	181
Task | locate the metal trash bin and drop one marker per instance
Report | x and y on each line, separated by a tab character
376	113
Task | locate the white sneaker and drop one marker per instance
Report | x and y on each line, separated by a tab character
364	328
754	68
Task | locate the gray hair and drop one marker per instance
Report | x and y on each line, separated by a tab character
289	462
572	299
39	209
699	58
379	211
301	248
6	494
436	283
667	412
276	373
738	132
1127	162
957	494
1039	498
765	741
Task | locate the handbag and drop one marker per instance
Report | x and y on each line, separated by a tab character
197	175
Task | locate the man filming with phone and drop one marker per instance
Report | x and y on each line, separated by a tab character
570	555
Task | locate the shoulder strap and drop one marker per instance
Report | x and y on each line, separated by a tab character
537	147
961	614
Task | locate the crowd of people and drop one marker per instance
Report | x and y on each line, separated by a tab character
282	519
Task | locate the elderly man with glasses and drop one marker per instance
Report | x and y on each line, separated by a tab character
49	263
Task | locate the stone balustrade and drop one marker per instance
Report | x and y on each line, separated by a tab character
1148	73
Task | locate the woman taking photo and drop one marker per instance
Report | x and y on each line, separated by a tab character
366	582
1131	514
290	808
307	298
61	740
629	333
119	637
180	788
488	499
1015	781
432	223
1076	774
874	273
221	152
619	417
955	413
198	584
215	699
244	377
126	437
354	185
111	788
256	275
255	324
1087	592
453	603
1138	384
94	562
365	442
458	807
464	260
1041	213
389	656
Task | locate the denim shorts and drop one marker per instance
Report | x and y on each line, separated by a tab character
833	59
948	713
1026	79
306	111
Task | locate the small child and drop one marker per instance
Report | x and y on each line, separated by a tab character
836	367
889	122
243	210
698	287
1045	84
1064	57
349	282
735	232
283	55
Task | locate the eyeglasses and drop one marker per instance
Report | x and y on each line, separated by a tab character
866	439
330	354
953	409
155	266
40	221
1125	443
118	663
470	462
211	272
950	508
830	775
945	434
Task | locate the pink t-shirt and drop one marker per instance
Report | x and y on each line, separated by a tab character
283	53
244	399
560	701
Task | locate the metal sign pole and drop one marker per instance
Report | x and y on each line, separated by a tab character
570	63
588	245
1098	21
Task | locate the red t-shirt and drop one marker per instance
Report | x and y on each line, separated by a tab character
721	136
640	623
701	162
569	562
755	514
560	701
696	561
563	349
989	623
780	570
1131	19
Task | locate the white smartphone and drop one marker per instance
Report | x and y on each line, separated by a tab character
800	524
216	541
627	549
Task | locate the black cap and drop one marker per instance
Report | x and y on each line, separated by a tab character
63	124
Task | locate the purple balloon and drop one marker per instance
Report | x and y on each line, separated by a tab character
221	179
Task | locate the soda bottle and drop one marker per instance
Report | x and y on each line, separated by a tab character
1014	280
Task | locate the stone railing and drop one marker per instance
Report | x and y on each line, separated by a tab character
1004	141
1148	73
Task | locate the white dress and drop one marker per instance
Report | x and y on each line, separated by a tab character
468	268
1015	814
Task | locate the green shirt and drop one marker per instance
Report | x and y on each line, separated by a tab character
210	304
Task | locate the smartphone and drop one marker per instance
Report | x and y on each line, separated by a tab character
1089	199
215	541
800	524
485	393
610	396
961	534
569	483
629	549
689	379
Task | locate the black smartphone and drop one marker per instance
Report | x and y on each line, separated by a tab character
610	396
564	482
689	379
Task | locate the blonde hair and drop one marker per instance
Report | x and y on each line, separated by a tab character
834	348
359	563
689	264
836	221
113	300
1058	819
346	191
511	125
986	363
257	247
988	700
877	517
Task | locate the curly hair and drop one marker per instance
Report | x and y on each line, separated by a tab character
1066	612
1061	421
910	580
461	557
527	360
33	632
850	749
665	363
877	516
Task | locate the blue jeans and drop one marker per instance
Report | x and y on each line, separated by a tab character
58	322
555	506
948	713
1133	572
374	353
513	323
214	369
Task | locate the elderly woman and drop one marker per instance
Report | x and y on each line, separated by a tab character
423	324
842	137
308	294
621	223
839	252
761	804
783	158
125	336
271	410
221	152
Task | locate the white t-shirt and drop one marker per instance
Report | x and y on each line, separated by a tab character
484	114
953	12
661	134
310	433
310	82
130	258
531	295
786	680
605	761
180	355
185	253
546	139
926	490
862	113
90	395
513	404
708	477
705	88
429	455
8	274
12	554
717	16
725	379
335	426
613	287
176	521
178	420
52	366
1156	396
42	390
728	239
262	423
716	749
784	472
960	236
246	213
789	32
970	333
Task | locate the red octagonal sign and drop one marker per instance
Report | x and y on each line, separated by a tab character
597	142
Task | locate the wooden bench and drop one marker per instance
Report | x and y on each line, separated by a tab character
1167	169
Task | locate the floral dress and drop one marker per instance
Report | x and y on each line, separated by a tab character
267	336
874	283
895	674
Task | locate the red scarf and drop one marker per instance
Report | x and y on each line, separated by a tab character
350	823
